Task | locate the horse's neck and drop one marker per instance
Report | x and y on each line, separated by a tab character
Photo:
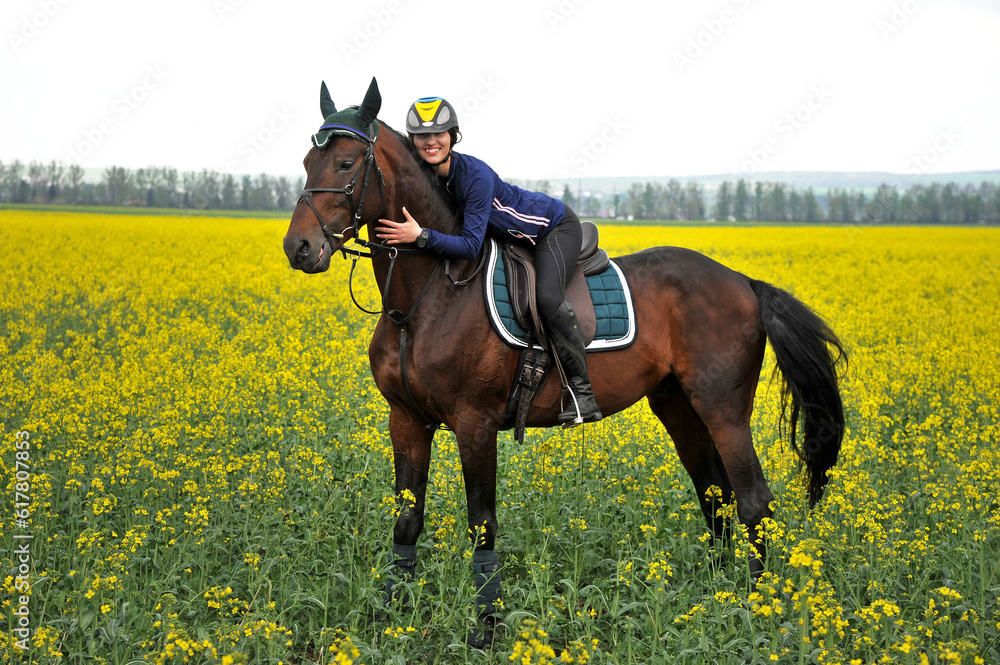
417	192
410	272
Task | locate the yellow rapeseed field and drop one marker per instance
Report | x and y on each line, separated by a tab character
197	468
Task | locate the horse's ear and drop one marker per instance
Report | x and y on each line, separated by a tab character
373	102
326	104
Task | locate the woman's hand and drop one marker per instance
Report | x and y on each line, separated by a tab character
396	233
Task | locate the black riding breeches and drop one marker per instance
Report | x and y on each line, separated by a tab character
555	259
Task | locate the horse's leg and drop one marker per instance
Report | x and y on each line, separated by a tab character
726	415
411	447
717	360
696	450
477	446
753	496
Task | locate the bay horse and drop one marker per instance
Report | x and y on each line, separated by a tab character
696	358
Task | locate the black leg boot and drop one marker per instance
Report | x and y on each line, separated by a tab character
404	565
564	330
486	566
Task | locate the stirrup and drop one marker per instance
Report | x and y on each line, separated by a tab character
592	415
579	416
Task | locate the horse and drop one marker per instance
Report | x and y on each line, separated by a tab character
696	358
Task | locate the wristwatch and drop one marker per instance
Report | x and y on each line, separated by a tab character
423	238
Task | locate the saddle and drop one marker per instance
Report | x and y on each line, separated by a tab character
519	266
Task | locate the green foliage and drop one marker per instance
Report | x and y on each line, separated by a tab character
211	474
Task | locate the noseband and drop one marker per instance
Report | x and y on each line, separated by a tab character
367	163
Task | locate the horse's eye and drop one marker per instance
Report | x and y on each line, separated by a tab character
346	165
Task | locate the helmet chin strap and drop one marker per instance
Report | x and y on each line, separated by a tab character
437	167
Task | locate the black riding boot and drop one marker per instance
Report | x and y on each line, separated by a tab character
565	332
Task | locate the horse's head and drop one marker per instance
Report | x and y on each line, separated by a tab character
342	183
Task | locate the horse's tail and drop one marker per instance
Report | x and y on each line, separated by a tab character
802	344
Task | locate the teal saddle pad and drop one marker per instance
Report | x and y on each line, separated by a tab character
609	290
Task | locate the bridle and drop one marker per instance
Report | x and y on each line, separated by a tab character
395	316
368	162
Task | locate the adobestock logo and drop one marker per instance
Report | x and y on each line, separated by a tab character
365	34
562	12
122	108
256	143
225	7
589	152
926	158
33	24
898	17
468	105
712	30
787	127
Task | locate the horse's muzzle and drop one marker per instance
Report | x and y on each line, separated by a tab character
307	256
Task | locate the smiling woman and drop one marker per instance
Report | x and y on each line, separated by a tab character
544	226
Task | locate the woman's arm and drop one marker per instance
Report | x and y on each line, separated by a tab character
478	200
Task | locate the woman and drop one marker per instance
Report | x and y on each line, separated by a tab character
488	204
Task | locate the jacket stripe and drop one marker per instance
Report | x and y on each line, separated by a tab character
528	219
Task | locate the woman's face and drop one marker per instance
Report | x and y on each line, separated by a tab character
434	148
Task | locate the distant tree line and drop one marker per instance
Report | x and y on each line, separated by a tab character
154	186
654	200
934	203
165	187
744	201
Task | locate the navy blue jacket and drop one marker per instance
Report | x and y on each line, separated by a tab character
487	203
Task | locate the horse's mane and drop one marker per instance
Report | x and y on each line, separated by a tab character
449	201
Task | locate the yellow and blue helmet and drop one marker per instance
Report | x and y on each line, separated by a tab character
430	115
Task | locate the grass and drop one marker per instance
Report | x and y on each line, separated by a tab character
211	474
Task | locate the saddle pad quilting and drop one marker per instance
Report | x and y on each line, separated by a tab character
608	290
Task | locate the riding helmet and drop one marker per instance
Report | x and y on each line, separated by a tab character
430	115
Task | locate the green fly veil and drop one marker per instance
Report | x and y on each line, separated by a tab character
358	123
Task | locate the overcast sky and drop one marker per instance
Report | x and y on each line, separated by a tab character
550	89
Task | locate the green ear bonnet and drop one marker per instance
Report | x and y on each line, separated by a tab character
358	123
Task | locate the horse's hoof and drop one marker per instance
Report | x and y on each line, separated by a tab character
483	634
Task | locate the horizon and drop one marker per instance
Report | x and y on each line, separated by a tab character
92	175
